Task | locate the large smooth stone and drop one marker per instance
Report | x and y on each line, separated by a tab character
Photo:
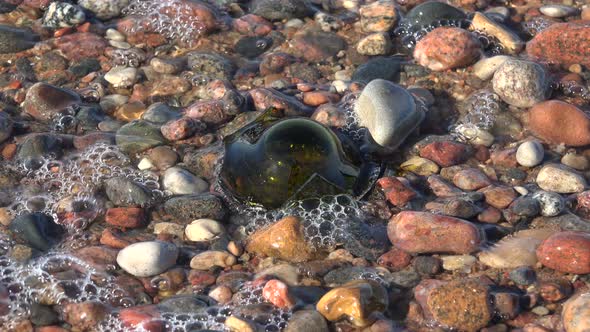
13	40
138	136
388	111
146	259
37	230
432	12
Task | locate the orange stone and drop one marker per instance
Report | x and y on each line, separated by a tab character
559	122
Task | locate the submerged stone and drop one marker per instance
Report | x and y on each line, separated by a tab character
14	40
268	163
37	230
432	13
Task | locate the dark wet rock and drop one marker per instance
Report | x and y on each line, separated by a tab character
386	68
316	46
190	207
44	101
160	113
427	265
84	67
37	146
89	116
432	12
265	98
523	208
13	40
281	9
251	47
185	303
364	240
6	7
524	275
211	66
138	136
42	315
124	192
346	274
307	320
37	230
6	125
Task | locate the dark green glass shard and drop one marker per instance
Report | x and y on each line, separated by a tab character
269	162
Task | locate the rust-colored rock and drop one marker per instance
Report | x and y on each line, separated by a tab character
559	122
125	217
395	259
562	43
284	240
445	153
358	301
462	305
566	252
447	48
423	232
395	191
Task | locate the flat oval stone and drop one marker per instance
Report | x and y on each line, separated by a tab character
388	111
566	252
431	12
576	313
37	230
13	40
146	259
557	11
423	232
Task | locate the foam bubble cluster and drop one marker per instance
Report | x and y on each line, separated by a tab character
168	18
55	278
410	33
132	57
352	127
247	303
72	184
536	25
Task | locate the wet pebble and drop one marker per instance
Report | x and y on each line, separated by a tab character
284	240
277	293
280	9
447	48
37	230
485	68
386	68
552	204
558	11
146	259
307	320
560	179
209	259
6	126
379	16
445	153
388	111
375	44
547	120
576	313
137	136
204	230
126	217
562	43
521	83
13	40
63	15
121	77
124	192
461	304
523	275
190	207
530	154
471	179
357	301
182	182
44	101
423	232
104	9
566	252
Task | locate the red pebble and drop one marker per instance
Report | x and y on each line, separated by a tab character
395	259
445	153
395	191
277	293
125	217
566	252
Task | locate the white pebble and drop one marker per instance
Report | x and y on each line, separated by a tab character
530	154
181	182
121	77
558	11
146	259
113	34
144	164
203	230
551	204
